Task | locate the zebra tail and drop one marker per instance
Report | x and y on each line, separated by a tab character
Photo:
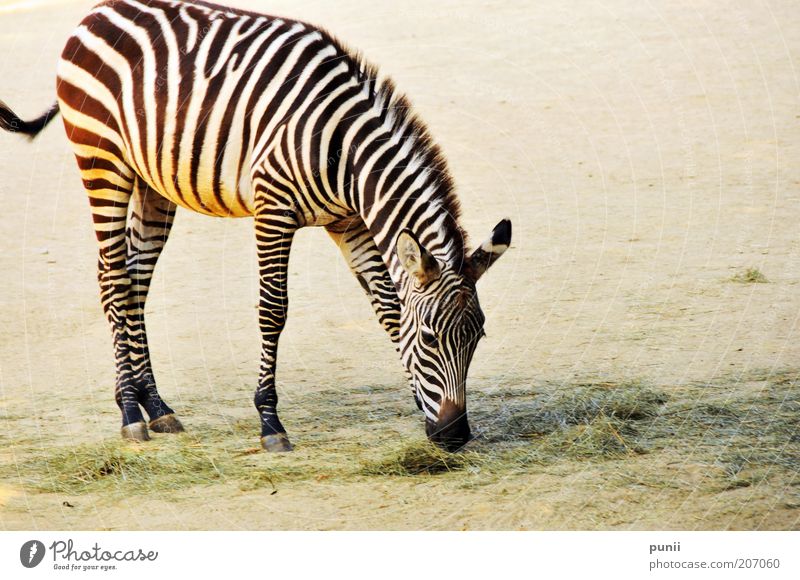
10	122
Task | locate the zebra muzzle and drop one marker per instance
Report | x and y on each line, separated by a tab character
451	430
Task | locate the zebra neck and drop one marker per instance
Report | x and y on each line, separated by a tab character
399	180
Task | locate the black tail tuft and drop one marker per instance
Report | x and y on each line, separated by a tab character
10	122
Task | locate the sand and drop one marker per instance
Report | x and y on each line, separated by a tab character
646	154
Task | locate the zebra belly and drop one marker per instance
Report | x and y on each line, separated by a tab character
223	197
236	203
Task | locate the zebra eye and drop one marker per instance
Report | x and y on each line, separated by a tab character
429	339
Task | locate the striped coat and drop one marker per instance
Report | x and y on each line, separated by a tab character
234	114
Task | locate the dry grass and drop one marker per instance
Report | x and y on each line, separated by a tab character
746	430
143	468
418	457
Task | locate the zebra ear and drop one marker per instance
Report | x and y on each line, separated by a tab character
488	252
417	261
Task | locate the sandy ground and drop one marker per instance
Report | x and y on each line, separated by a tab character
645	153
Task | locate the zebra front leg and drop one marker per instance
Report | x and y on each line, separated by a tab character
149	226
365	261
274	234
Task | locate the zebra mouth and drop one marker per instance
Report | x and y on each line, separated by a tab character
451	431
449	442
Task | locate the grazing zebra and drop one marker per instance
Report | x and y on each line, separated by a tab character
232	113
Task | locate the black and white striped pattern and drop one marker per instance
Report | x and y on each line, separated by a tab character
235	114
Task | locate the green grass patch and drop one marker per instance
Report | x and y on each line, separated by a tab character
750	276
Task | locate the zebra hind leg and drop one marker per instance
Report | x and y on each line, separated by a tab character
149	225
109	183
274	234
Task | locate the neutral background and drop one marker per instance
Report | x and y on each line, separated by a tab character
646	153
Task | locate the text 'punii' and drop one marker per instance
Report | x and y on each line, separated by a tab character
673	547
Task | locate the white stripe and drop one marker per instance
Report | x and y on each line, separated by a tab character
276	83
198	92
78	77
331	123
232	152
191	23
352	131
75	117
212	148
120	65
305	138
149	80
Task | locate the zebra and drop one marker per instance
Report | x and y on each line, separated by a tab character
232	113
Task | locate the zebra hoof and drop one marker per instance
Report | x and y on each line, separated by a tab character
135	432
166	424
277	443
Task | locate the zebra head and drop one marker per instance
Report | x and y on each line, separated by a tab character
441	323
